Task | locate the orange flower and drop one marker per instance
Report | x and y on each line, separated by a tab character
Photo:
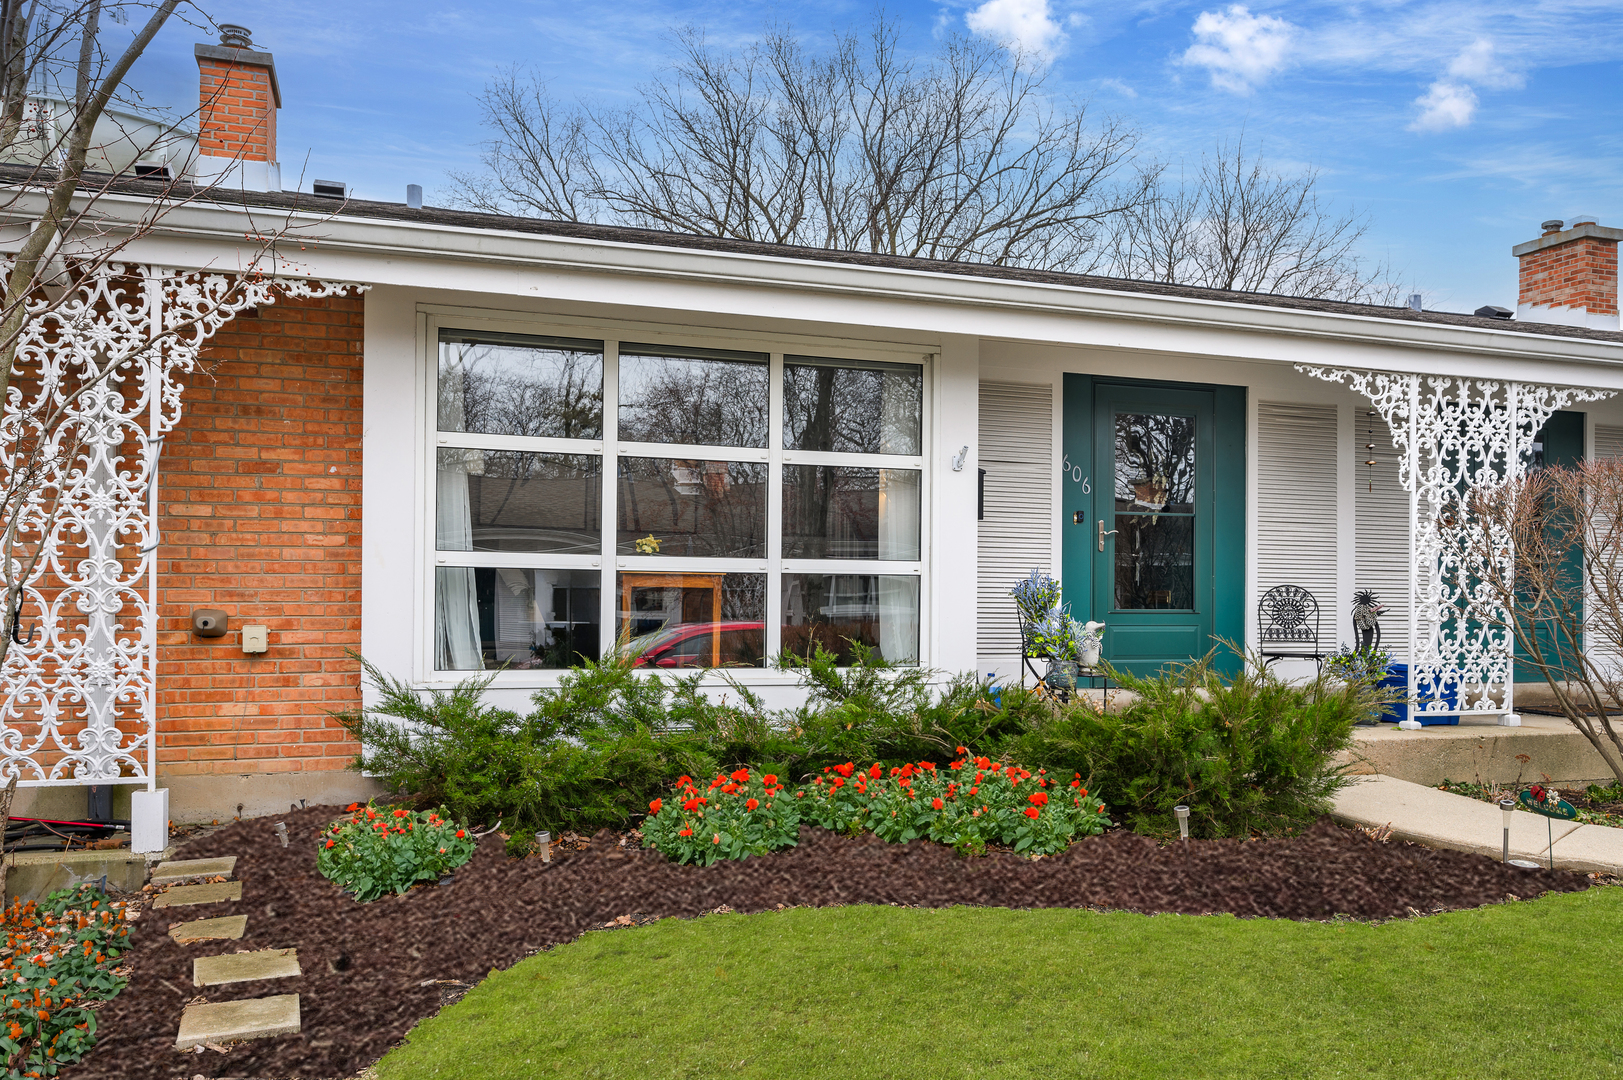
330	843
1038	798
684	780
750	804
691	805
1032	812
399	813
876	772
936	804
770	780
716	839
685	832
460	833
741	776
654	807
846	770
963	749
352	807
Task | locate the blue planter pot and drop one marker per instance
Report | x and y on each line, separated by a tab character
1397	678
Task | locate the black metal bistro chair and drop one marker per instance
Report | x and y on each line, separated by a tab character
1288	617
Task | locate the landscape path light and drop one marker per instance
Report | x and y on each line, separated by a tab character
1508	807
1182	814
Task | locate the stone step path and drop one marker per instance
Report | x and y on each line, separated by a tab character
215	1023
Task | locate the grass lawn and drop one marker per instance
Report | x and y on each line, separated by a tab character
1523	989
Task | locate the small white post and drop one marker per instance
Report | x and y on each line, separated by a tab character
149	821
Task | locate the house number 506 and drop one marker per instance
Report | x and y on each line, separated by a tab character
1074	474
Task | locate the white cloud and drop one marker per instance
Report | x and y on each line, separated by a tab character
1445	105
1451	101
1238	48
1025	25
1119	87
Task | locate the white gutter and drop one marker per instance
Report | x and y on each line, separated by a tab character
385	252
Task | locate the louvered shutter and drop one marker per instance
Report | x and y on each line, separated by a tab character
1296	504
1608	441
1382	529
1016	535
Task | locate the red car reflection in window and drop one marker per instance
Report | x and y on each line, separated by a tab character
701	645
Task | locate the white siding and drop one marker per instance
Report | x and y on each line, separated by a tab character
1296	505
1381	528
1608	441
1016	536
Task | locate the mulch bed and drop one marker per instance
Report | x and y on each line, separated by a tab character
371	971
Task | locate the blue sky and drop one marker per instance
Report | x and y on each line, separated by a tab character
1458	125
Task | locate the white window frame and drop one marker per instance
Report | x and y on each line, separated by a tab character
608	562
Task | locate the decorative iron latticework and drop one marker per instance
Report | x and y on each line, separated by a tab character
95	389
1453	435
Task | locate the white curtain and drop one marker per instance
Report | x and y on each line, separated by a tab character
899	413
456	603
899	540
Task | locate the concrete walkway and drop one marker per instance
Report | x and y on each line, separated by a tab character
1441	819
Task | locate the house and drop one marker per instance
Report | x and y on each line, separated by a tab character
522	440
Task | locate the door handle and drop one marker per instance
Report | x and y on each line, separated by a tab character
1103	532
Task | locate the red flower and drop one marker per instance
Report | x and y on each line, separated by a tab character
770	780
683	781
936	804
876	772
846	770
330	843
1032	812
352	807
460	833
1083	792
654	807
399	813
741	776
691	805
1038	798
716	839
1076	783
836	784
800	794
685	832
976	790
729	789
750	804
963	749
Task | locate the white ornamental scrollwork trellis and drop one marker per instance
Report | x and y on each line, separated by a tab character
104	357
1454	434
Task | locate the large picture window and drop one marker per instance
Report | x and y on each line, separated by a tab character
686	506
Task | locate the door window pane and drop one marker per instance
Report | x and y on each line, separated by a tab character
693	620
703	397
508	617
675	506
505	500
1155	561
1155	462
850	407
841	512
878	611
507	384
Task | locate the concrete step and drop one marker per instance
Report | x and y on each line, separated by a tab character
34	875
168	873
186	895
1443	819
226	928
1543	748
245	967
228	1021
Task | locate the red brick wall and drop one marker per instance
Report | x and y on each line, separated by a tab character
1581	273
260	492
237	112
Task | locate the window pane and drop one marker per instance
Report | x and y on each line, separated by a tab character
694	396
507	384
505	500
693	620
879	611
846	406
488	618
674	506
1155	562
1155	462
840	512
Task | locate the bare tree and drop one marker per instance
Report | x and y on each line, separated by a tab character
1563	587
963	157
1237	223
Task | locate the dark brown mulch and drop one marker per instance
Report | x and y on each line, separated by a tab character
371	971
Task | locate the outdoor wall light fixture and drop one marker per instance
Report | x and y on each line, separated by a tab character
1507	807
1182	814
959	458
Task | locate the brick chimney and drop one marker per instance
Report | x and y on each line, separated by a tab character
237	102
1569	275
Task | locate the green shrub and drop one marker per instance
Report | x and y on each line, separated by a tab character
377	851
1254	754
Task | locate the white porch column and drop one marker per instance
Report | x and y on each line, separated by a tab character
950	606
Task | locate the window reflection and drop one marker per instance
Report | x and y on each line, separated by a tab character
843	512
511	617
1155	561
1155	462
675	506
842	611
507	500
508	384
703	397
683	620
846	406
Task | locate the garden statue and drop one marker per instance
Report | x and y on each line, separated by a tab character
1087	644
1366	613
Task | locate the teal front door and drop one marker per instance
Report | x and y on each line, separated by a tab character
1157	550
